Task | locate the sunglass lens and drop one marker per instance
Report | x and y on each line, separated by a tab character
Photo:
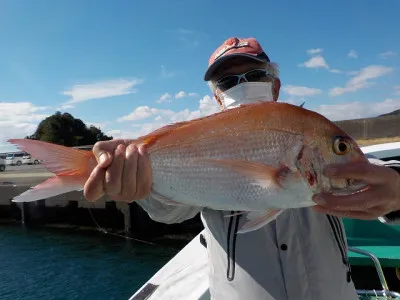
256	75
227	82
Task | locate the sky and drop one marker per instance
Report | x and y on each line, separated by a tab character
130	67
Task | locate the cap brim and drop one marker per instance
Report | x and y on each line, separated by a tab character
212	68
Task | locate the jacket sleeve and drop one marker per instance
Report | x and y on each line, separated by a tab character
167	214
392	218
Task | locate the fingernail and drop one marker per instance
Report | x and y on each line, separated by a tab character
141	150
131	147
319	200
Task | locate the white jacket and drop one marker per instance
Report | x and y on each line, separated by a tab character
302	255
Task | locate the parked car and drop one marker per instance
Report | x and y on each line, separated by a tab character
27	159
14	159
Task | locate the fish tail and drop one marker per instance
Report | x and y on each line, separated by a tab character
71	168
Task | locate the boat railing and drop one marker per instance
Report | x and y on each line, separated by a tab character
385	293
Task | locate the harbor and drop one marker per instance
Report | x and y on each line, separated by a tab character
239	132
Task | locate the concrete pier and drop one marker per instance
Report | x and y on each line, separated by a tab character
72	210
69	208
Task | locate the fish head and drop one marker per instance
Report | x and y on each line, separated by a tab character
330	146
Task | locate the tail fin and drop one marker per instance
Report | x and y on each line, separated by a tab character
71	167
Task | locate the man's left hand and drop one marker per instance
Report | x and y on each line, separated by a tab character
380	198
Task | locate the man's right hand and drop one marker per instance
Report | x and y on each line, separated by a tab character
123	172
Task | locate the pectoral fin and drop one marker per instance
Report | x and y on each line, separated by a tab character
257	219
264	175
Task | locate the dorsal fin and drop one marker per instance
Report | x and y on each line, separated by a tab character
150	138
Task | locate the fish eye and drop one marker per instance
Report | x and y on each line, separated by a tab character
341	146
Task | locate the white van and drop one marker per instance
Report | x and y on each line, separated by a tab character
14	158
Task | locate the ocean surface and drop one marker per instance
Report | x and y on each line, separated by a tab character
64	264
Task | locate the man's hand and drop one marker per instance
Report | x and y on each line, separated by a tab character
123	172
380	198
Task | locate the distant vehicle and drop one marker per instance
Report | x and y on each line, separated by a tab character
2	164
27	159
14	158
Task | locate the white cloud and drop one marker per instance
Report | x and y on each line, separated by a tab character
314	51
180	95
387	54
156	118
121	134
102	89
21	112
208	106
17	120
361	80
352	54
144	112
315	62
167	97
300	91
183	94
164	98
355	110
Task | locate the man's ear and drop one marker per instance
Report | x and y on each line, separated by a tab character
277	87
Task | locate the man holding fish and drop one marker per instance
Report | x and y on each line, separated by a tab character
302	253
295	249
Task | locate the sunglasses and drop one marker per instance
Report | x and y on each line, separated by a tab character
257	75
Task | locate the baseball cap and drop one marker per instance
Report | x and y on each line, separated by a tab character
235	47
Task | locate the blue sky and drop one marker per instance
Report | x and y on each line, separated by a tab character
133	66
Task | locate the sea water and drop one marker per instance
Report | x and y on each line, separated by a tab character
57	264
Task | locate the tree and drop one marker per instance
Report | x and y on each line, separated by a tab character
64	129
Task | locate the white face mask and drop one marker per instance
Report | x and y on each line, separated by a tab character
246	92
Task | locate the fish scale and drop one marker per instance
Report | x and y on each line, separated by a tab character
181	177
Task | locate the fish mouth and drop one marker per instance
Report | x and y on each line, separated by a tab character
349	186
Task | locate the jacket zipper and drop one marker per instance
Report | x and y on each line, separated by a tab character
339	237
230	271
